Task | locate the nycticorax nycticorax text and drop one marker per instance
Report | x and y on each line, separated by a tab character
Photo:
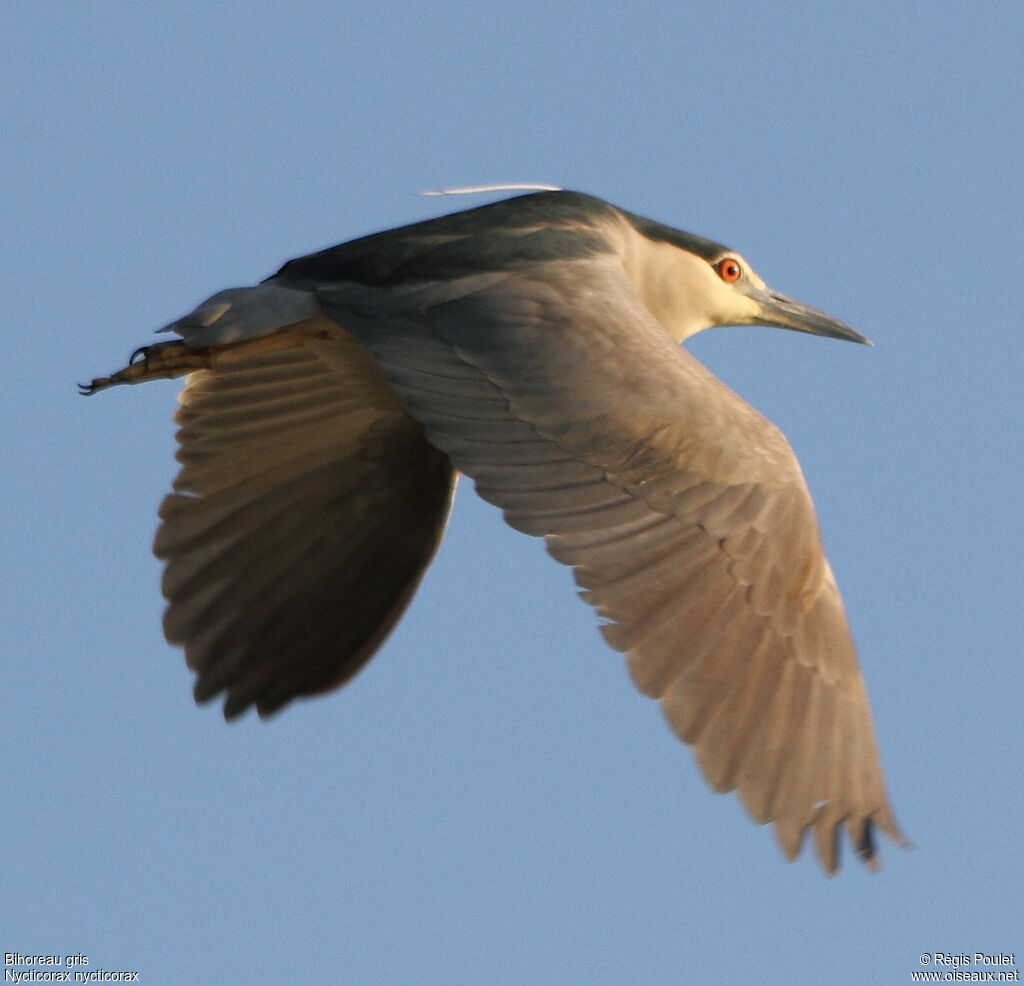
532	344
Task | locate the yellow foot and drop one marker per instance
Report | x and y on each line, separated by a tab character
172	359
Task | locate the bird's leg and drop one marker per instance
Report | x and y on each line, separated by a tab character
164	359
172	359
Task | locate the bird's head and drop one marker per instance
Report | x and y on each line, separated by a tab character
690	284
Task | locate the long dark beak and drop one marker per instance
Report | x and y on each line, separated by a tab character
788	313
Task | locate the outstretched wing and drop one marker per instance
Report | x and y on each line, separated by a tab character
307	507
682	511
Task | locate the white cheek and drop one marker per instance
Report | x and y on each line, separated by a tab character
743	310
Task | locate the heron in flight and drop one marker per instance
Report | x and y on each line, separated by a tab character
532	344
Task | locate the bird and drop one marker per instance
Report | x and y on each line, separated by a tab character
533	345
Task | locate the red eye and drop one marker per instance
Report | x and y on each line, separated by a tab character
729	270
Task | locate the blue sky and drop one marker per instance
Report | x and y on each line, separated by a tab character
490	801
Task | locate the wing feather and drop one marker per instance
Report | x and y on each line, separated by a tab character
682	511
307	507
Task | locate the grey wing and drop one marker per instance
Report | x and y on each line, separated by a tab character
683	514
307	507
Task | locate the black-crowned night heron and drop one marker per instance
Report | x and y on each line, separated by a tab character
532	344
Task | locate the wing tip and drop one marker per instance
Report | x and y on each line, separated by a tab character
861	835
238	701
